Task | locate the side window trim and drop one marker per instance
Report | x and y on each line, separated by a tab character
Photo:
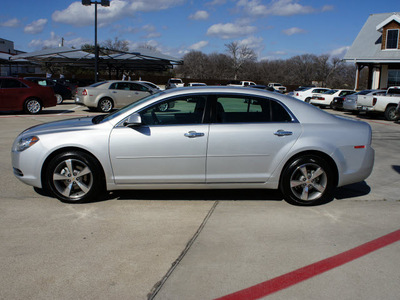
214	117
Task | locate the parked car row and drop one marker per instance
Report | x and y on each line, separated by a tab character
384	102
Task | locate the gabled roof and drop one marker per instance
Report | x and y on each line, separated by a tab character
366	48
393	17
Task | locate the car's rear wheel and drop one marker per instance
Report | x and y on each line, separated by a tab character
307	100
105	105
74	177
390	113
59	98
32	106
308	180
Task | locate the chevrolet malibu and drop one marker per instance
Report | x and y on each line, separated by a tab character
213	138
107	95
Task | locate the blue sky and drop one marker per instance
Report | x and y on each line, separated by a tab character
274	29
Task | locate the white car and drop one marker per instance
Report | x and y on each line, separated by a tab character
325	99
174	83
305	94
196	84
241	83
278	87
148	83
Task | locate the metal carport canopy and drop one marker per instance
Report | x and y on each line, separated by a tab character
141	59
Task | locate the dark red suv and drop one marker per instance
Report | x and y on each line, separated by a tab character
17	94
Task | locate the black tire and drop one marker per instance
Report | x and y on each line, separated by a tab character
163	107
105	105
75	177
308	180
390	113
59	98
32	106
307	100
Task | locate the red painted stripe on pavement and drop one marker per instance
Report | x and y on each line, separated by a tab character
279	283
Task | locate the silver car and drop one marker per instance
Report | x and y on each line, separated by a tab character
214	138
350	102
106	95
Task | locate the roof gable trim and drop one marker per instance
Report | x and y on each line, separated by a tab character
394	17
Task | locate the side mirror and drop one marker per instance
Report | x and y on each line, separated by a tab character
133	120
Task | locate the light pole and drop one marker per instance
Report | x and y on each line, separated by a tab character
96	48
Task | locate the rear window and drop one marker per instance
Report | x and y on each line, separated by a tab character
98	83
175	81
393	91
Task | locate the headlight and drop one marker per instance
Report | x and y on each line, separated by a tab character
25	143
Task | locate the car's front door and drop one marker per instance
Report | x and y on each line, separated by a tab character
169	147
12	94
249	139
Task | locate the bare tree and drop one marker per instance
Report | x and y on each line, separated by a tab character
195	65
116	44
240	55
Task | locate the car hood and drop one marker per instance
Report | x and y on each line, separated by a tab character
60	126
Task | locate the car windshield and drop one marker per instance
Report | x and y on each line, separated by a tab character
175	81
116	113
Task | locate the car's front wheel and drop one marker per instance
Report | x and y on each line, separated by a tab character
308	180
390	113
74	177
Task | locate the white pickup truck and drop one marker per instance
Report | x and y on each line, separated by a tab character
381	104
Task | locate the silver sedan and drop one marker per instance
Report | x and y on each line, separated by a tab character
213	138
106	95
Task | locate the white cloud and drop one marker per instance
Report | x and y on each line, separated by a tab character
199	15
54	41
327	8
276	7
230	30
293	30
36	26
255	43
198	45
12	23
217	2
340	52
78	15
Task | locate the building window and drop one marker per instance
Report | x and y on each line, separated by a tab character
392	38
393	78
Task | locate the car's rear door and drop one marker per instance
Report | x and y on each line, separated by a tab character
249	139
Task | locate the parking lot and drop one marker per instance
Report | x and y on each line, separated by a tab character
201	244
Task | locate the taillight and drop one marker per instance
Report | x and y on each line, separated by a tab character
374	100
84	92
297	94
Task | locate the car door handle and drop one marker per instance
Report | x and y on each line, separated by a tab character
281	132
193	134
